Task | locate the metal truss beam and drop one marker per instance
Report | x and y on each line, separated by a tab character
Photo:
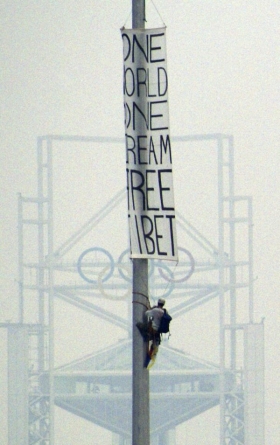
224	264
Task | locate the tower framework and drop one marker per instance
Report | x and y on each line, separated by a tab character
235	382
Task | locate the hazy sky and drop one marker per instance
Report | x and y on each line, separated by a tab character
61	73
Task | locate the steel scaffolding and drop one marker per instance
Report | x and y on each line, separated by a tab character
241	402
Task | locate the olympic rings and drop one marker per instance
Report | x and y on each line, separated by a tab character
108	270
102	290
187	276
110	267
129	278
170	288
152	265
126	278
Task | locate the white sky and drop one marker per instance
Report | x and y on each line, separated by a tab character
61	73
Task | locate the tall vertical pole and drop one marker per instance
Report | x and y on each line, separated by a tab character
232	256
221	289
140	375
51	288
20	258
41	271
138	13
250	249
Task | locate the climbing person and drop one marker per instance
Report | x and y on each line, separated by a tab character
156	322
155	314
151	327
159	322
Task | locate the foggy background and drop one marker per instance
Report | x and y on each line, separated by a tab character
61	73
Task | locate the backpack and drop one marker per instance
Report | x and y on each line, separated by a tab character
164	323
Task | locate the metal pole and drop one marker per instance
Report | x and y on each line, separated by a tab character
51	289
20	258
41	272
232	256
140	375
250	248
138	13
221	290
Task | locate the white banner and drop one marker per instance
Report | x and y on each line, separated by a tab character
151	210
